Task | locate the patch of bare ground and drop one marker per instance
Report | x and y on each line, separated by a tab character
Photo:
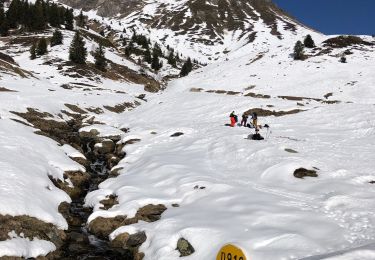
96	110
264	113
258	57
75	109
115	72
196	89
294	98
98	39
254	95
345	41
122	72
109	202
7	58
120	108
250	87
30	227
9	68
102	227
2	89
233	93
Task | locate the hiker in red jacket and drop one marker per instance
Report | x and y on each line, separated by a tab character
233	119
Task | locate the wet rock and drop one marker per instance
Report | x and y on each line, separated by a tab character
139	256
302	172
31	228
64	208
106	146
78	179
78	248
78	237
120	241
102	227
175	205
109	202
115	172
92	134
177	134
82	161
112	160
184	247
136	240
73	192
119	149
290	150
150	213
372	182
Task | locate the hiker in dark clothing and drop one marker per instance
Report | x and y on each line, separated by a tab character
244	119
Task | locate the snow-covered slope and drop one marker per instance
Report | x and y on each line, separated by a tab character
218	185
203	30
231	189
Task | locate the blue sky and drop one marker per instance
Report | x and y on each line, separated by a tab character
333	16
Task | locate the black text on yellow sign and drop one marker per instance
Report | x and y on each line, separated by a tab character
230	252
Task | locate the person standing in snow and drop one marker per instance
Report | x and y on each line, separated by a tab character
244	119
233	119
254	117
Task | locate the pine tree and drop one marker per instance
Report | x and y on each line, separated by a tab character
33	51
155	62
186	68
54	18
27	17
13	14
309	42
69	19
38	21
172	59
157	51
41	48
299	51
100	61
177	57
129	49
57	38
81	20
77	50
147	56
3	22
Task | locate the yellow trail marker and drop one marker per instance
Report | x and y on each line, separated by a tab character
230	252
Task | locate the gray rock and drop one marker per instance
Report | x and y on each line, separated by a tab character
184	247
302	172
